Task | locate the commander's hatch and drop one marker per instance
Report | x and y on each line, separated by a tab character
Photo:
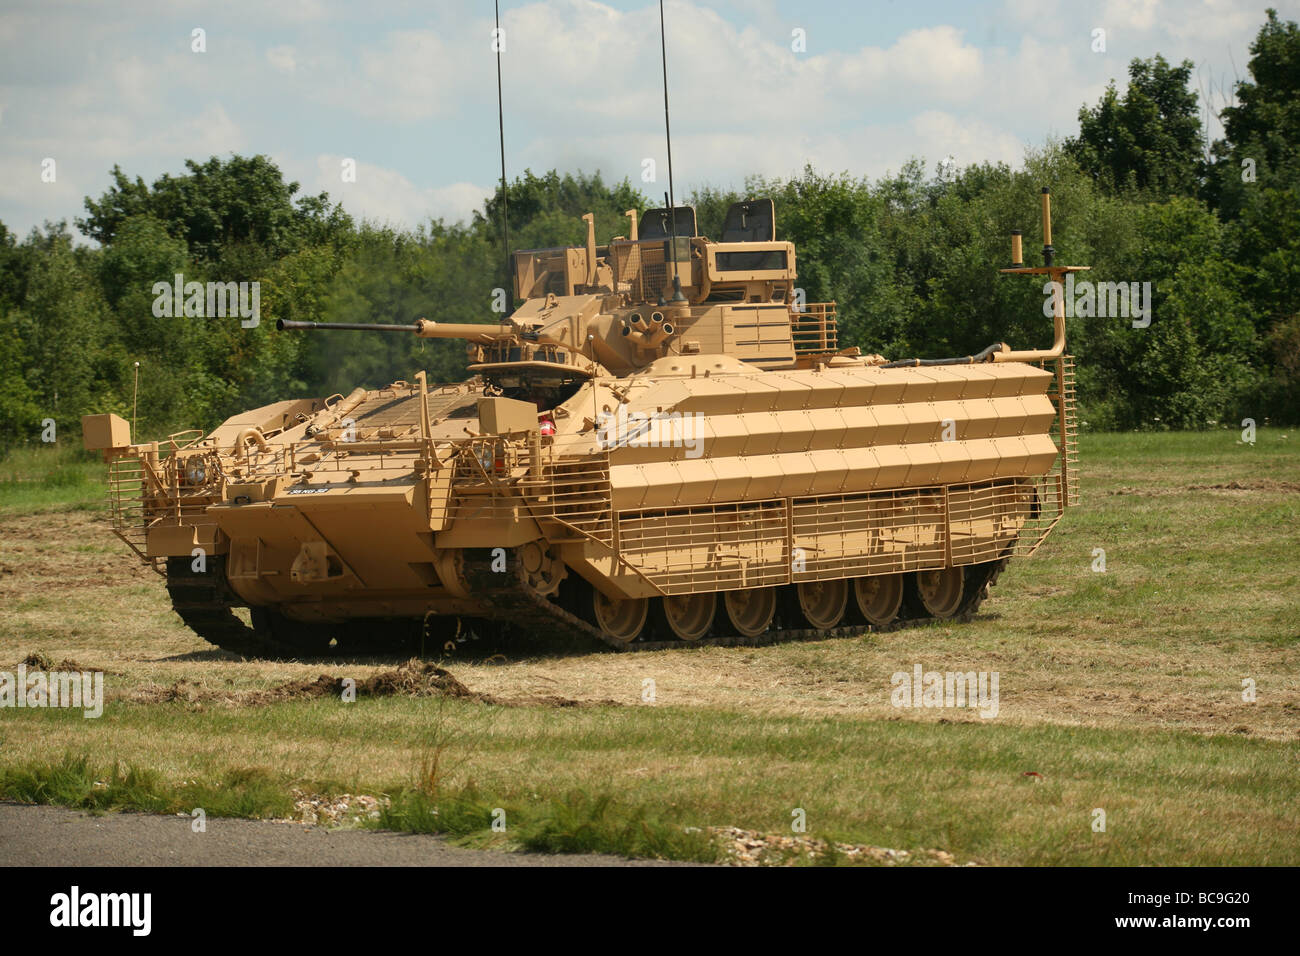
753	220
657	224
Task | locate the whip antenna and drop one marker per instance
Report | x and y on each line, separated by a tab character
501	129
668	135
668	132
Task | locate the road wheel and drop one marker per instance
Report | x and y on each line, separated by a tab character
820	603
621	621
940	591
688	617
878	598
750	611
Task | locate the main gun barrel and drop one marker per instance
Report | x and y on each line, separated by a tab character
480	334
283	324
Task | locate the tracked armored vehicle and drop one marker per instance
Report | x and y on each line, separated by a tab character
663	445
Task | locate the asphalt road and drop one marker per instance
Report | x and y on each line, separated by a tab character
53	836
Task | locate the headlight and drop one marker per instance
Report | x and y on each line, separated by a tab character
196	472
493	458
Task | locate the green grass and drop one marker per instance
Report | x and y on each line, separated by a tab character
55	477
574	823
1188	560
75	782
569	781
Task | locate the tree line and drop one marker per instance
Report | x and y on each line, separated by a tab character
910	258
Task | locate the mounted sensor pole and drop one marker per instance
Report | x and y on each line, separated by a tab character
1000	351
135	395
1048	251
1057	276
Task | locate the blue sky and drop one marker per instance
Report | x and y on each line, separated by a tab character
408	90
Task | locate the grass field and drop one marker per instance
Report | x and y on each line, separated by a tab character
1120	691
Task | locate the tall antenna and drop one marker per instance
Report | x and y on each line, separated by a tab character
501	129
668	135
668	131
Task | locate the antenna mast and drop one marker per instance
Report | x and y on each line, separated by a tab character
135	394
668	132
501	129
668	135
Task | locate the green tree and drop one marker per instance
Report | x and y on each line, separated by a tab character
19	413
1255	187
547	210
62	328
1267	112
216	204
1149	139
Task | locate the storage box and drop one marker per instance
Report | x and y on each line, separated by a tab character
104	431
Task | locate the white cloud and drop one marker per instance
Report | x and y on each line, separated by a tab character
1216	22
933	62
930	93
385	196
21	185
1132	14
409	78
282	58
411	86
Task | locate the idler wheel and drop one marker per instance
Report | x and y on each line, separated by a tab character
940	590
878	598
822	603
544	572
750	611
688	616
621	621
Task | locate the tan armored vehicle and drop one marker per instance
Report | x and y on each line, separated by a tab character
662	444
